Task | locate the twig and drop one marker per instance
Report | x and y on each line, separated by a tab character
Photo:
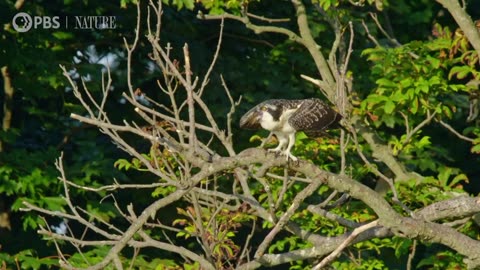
149	242
55	242
345	243
166	117
324	213
418	127
284	189
300	197
233	105
77	241
380	27
206	78
411	255
456	133
369	35
322	85
344	82
130	50
389	181
327	200
393	40
268	190
191	109
265	19
255	28
246	248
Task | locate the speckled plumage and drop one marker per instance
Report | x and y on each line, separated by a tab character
284	117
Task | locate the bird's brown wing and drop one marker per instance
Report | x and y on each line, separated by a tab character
313	115
251	120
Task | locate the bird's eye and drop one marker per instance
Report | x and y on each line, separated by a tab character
264	108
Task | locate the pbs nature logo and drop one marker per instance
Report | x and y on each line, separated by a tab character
22	22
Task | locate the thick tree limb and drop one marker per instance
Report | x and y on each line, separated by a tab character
7	101
314	48
455	208
381	151
464	21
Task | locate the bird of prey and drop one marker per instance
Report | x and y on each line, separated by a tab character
284	118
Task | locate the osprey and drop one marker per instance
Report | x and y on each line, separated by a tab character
284	118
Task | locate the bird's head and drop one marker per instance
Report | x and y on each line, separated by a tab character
263	115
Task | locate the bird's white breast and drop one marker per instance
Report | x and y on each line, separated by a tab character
269	123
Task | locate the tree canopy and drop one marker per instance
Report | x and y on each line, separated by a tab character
120	146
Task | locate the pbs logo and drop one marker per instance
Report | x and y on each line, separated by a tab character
22	22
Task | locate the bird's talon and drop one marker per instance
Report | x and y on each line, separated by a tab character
277	152
294	159
297	163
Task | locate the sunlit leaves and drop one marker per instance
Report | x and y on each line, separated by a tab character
213	6
285	244
442	260
163	191
29	259
460	72
123	164
406	145
221	238
326	4
63	35
368	263
188	4
411	80
448	183
445	177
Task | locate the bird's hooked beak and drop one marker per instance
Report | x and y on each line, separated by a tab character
251	120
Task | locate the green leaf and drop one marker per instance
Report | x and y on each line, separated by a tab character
460	71
475	149
54	203
406	83
389	107
301	136
445	173
386	82
194	266
255	138
189	4
433	61
457	179
122	164
414	107
63	35
389	120
447	111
